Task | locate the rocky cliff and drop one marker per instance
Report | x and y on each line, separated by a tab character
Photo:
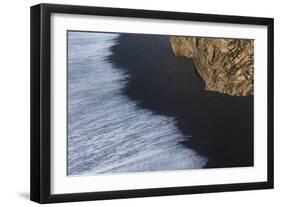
225	65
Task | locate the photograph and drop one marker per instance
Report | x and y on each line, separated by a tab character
139	103
129	103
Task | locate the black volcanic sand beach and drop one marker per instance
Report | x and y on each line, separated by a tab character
221	126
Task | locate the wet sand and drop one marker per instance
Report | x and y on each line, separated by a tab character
221	126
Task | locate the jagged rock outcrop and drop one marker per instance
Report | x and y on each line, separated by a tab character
225	65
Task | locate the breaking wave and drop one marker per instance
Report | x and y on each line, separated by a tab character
107	131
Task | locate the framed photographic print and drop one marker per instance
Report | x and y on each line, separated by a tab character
132	103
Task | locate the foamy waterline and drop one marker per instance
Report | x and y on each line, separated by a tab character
107	131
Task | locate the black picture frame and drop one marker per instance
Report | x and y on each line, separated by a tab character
41	98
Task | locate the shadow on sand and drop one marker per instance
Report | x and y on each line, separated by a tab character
221	126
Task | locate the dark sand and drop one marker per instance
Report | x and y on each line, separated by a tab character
221	126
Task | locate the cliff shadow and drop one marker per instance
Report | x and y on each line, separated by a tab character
221	126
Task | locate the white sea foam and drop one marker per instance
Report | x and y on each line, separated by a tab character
108	132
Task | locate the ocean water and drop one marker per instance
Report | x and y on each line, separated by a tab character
107	131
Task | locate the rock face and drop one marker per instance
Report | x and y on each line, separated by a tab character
225	65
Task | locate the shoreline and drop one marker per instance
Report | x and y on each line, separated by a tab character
221	126
108	132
